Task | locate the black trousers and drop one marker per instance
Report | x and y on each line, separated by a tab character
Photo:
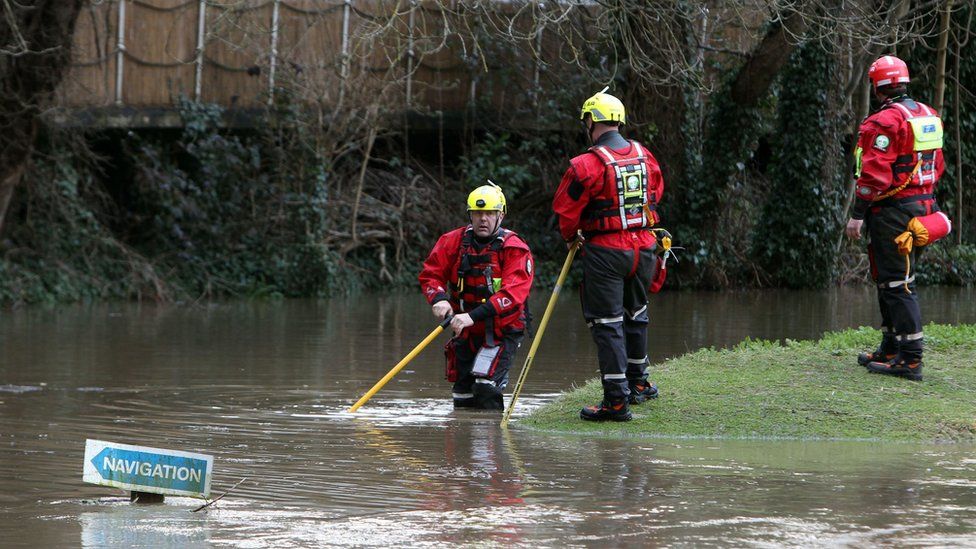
614	299
477	391
901	317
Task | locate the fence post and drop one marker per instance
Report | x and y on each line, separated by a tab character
344	71
201	28
274	51
120	54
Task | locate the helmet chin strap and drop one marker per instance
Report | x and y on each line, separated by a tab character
588	131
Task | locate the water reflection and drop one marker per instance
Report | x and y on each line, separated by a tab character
110	525
264	387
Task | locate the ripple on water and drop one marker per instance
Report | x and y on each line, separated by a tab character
16	389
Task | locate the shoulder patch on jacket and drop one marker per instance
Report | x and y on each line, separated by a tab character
881	142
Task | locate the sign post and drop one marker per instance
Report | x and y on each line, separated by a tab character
144	469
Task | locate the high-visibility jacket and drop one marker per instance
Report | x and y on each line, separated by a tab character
899	154
489	281
610	195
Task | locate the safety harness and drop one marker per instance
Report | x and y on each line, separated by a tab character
476	282
632	205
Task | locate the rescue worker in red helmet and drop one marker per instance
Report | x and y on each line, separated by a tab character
481	274
899	162
608	196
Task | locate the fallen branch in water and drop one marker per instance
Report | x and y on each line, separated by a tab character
218	498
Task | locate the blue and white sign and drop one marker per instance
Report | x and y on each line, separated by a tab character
145	469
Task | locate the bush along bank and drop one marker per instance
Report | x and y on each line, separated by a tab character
797	390
947	264
282	210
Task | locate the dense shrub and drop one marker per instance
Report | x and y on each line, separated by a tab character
794	234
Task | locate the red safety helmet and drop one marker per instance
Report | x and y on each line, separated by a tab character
887	71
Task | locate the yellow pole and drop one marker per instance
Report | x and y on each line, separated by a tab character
539	332
396	369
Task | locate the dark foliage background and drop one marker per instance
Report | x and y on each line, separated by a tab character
756	185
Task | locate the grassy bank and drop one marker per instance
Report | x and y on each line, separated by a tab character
797	389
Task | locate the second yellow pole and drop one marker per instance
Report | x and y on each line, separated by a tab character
539	332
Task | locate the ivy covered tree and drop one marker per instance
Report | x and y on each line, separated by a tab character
791	239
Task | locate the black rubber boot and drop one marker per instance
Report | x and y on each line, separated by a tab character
488	397
642	391
877	356
606	412
900	366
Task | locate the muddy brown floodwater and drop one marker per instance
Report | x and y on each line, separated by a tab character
263	387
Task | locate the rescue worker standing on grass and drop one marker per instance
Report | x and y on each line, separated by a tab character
481	274
608	195
899	162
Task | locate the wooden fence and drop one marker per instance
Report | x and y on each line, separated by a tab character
249	53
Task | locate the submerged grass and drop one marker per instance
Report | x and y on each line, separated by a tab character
796	389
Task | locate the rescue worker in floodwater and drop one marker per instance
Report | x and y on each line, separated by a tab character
899	163
481	274
606	202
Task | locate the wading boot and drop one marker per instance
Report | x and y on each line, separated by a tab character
885	352
606	412
642	391
900	366
879	355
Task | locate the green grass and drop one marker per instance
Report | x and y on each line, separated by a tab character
796	389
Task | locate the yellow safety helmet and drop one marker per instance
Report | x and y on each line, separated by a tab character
487	198
604	107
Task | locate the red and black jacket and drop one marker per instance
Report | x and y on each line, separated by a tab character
890	167
610	193
489	281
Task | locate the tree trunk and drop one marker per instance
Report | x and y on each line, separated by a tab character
35	51
766	61
654	44
959	168
7	187
862	102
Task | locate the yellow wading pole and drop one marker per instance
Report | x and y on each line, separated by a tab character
538	333
396	369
